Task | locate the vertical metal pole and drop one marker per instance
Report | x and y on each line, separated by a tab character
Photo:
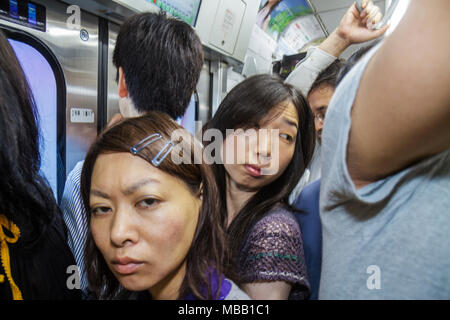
316	14
219	83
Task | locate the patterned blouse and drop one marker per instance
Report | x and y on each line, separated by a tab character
273	251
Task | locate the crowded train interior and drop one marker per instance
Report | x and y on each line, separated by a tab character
224	150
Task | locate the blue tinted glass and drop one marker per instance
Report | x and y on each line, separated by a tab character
42	82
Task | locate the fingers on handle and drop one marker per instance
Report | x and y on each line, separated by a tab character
377	32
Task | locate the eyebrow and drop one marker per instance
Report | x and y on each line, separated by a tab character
128	191
291	123
98	193
136	186
321	108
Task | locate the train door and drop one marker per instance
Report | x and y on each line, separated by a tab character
61	63
37	65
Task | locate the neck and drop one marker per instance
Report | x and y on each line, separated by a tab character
169	287
237	197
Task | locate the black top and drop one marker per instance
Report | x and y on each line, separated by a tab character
39	270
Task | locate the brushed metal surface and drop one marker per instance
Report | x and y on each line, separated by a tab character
204	94
113	96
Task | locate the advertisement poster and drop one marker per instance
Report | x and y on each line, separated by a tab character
186	10
275	15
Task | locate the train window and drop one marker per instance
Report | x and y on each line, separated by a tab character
42	83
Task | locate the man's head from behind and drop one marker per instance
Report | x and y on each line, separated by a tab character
159	60
320	95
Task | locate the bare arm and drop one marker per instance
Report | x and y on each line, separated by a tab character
401	113
353	29
276	290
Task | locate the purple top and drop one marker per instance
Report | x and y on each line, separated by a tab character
273	251
225	286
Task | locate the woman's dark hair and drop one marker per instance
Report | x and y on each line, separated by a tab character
245	106
161	59
208	246
25	196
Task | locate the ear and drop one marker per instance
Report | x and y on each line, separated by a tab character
123	91
200	191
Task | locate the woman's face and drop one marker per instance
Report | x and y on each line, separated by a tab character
143	221
262	160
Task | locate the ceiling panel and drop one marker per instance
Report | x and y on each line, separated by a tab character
331	13
327	5
332	17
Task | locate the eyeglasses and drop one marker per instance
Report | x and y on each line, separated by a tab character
319	117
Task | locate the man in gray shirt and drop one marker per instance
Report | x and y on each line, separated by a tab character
385	192
315	76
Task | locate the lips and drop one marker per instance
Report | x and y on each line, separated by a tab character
126	266
253	170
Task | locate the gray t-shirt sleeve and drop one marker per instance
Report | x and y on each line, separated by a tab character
389	239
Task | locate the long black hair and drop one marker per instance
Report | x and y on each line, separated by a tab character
245	106
25	196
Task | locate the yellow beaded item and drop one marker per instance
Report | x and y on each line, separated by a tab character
4	253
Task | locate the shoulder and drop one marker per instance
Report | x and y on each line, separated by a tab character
72	193
310	191
278	219
277	230
75	175
73	181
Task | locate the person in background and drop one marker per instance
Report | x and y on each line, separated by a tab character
384	200
34	253
158	61
264	236
315	76
308	200
154	223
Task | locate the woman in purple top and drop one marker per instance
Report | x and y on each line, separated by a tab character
269	141
154	227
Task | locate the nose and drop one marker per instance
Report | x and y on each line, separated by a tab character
124	229
319	126
265	143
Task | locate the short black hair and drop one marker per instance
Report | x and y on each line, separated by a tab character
161	59
328	76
